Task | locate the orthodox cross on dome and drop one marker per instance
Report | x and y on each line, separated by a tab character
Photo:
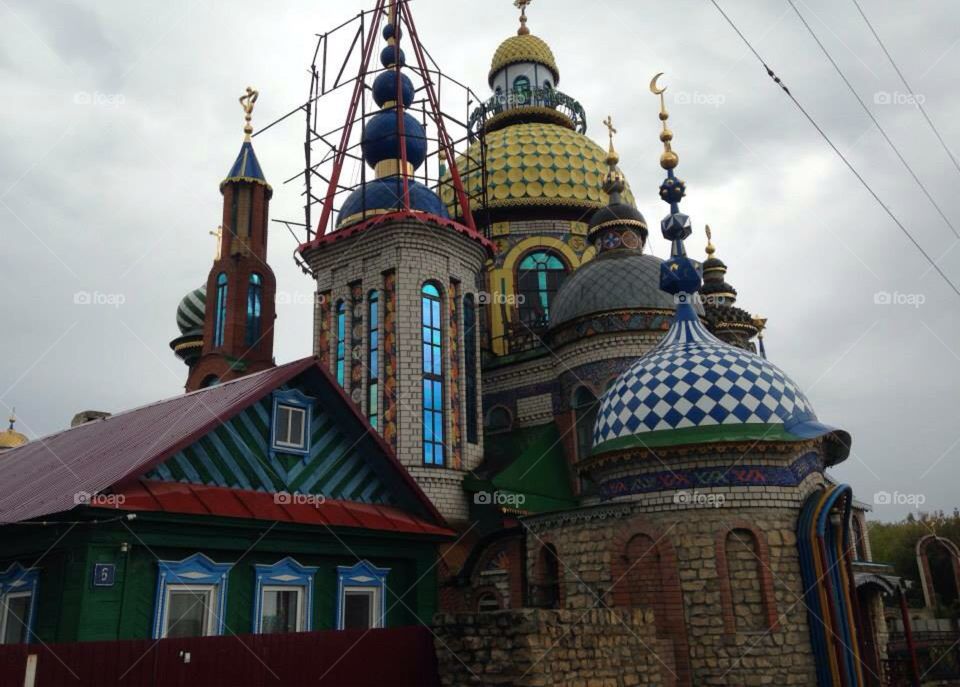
247	101
608	122
522	6
219	234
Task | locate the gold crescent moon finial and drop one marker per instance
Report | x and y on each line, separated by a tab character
653	85
247	101
669	159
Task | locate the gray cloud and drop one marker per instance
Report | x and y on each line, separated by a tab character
120	119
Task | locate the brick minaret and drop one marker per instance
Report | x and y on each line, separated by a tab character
238	325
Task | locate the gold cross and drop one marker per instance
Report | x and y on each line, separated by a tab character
219	234
608	122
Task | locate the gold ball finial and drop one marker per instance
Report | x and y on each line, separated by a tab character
711	249
247	101
668	159
522	6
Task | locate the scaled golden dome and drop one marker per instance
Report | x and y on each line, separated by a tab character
10	438
535	164
523	48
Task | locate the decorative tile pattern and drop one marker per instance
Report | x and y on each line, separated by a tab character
692	379
455	442
720	476
390	358
323	331
356	342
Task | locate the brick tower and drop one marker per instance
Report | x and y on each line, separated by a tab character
239	306
397	283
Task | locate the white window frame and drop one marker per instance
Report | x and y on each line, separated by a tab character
5	614
300	624
291	409
212	593
376	621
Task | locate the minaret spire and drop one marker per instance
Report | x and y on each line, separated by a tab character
679	276
247	101
522	6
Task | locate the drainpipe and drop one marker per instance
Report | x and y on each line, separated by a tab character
908	633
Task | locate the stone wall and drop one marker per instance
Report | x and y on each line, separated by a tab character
537	648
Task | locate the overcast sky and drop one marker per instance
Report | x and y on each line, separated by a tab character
119	119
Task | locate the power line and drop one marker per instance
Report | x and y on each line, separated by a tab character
906	85
866	109
826	138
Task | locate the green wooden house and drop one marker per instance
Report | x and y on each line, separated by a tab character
265	504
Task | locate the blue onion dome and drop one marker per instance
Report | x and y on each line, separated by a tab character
381	196
191	311
693	388
381	139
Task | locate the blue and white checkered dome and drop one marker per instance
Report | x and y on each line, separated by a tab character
694	388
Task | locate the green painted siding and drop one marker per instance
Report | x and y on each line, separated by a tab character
237	454
71	609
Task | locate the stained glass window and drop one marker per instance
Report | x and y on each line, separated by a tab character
538	278
254	296
220	324
373	358
433	396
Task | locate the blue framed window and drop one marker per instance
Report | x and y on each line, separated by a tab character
521	89
539	276
220	323
470	363
283	598
373	357
433	396
290	428
361	596
341	315
254	297
191	596
18	594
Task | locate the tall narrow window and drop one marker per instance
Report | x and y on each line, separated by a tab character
220	323
341	342
432	338
539	276
521	90
254	296
373	358
585	406
470	362
18	589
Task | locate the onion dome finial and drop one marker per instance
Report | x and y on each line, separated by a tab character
679	275
715	288
247	101
522	6
618	226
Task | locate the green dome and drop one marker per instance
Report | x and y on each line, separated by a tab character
190	312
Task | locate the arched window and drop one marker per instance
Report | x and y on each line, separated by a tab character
746	586
539	276
254	296
521	89
209	380
341	339
546	593
470	363
373	357
432	340
220	323
498	420
860	546
585	406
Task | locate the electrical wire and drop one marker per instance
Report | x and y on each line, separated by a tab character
826	138
866	109
906	85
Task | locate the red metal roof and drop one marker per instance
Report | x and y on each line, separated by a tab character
46	475
201	499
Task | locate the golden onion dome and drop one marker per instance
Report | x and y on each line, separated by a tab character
523	48
535	164
11	438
